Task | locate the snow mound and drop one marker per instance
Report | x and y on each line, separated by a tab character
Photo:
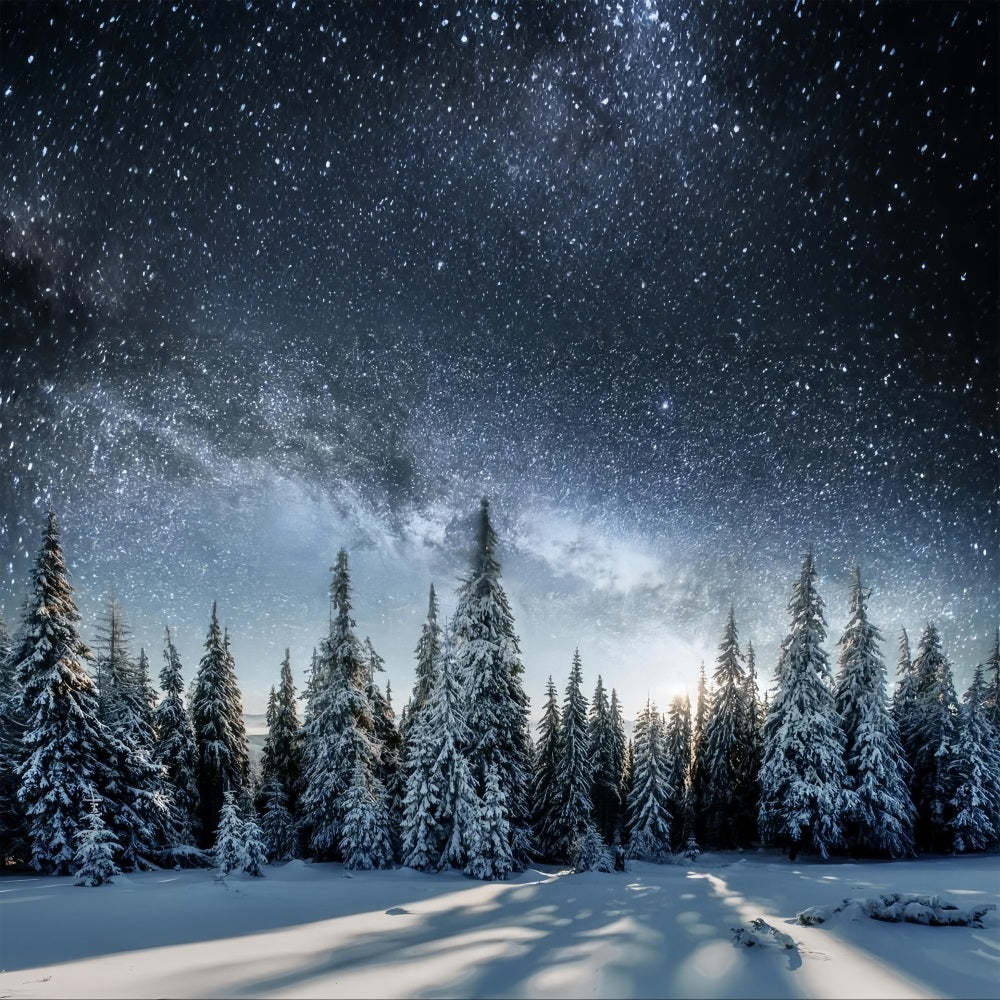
759	932
897	907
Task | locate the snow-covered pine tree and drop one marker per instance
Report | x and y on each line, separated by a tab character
545	763
490	671
698	773
975	806
254	847
445	721
677	752
879	819
574	768
648	816
174	750
931	736
728	802
365	841
802	777
12	831
137	790
991	700
628	783
621	760
281	757
277	825
65	754
228	850
753	741
339	730
95	855
428	649
223	751
590	853
422	837
489	837
605	789
388	742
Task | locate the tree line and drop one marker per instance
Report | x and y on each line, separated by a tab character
98	772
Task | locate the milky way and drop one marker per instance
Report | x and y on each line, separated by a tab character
683	289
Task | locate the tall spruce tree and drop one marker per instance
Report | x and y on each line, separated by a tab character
545	767
621	763
931	737
281	758
139	819
427	652
12	832
65	753
339	733
699	774
975	806
605	789
389	765
574	768
991	697
677	751
223	751
753	742
175	750
490	669
728	802
879	819
802	777
648	816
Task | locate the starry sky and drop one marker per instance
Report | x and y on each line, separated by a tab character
683	288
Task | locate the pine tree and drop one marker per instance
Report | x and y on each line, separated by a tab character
228	851
365	841
880	817
223	751
620	763
802	777
490	671
931	737
445	719
95	856
388	742
427	652
605	790
648	817
138	790
975	820
13	842
281	758
254	848
698	771
545	764
574	768
278	829
728	800
677	751
175	751
753	743
490	856
991	697
339	730
65	753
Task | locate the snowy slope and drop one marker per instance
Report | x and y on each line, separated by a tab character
656	931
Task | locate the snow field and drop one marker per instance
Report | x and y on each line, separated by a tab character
315	930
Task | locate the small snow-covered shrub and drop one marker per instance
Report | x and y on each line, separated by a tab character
591	854
897	907
95	855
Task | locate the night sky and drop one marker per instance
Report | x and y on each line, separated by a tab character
684	289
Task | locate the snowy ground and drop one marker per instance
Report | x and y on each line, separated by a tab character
655	931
